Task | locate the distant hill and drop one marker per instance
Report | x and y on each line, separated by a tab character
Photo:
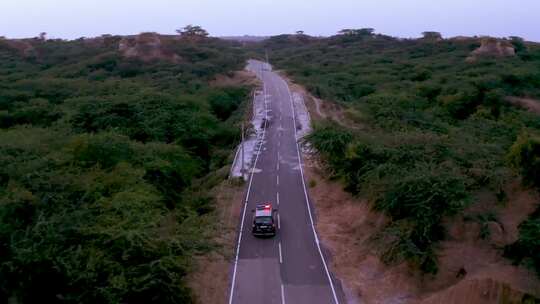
245	38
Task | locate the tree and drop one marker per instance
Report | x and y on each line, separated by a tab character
432	35
299	32
192	31
357	32
518	43
345	32
43	36
365	31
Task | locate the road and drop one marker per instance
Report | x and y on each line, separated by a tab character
289	268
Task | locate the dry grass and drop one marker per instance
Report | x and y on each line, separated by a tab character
469	268
210	279
346	225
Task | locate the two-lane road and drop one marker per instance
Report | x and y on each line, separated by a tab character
289	268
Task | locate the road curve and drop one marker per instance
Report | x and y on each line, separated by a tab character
289	268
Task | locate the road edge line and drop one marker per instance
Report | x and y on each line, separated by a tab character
231	293
306	196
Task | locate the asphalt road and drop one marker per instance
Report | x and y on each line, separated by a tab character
289	268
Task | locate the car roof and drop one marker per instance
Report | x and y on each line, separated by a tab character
263	210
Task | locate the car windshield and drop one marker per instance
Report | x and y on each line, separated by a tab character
263	220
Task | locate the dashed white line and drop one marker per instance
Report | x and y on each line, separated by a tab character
277	180
282	294
277	198
278	221
280	256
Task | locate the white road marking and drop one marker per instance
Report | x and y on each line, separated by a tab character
277	165
278	221
307	199
277	180
280	256
246	202
282	294
277	198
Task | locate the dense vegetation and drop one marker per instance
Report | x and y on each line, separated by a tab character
99	161
428	128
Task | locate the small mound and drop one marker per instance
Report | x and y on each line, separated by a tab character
494	48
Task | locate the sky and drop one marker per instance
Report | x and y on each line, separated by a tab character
72	19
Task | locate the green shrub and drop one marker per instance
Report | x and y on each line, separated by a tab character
105	150
331	141
226	101
526	249
423	198
524	155
462	104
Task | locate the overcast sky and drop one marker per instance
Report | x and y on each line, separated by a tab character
403	18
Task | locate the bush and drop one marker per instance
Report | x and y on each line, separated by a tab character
105	150
527	248
462	104
422	198
524	155
331	142
226	101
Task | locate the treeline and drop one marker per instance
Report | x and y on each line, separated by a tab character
429	129
104	167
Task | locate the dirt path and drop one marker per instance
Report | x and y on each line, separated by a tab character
530	104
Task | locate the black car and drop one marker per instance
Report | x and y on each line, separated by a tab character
264	223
